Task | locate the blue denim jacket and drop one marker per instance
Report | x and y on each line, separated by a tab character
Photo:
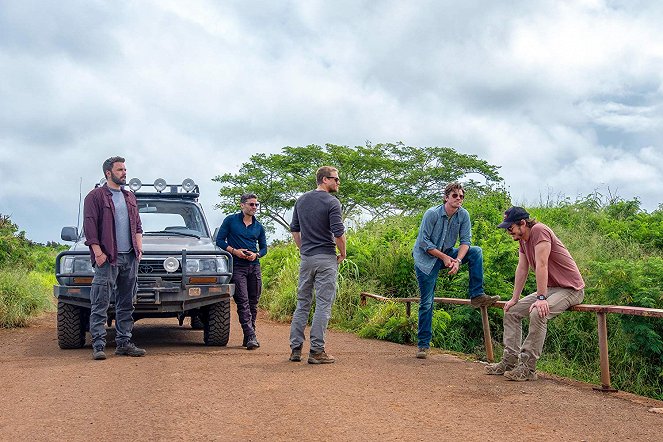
438	231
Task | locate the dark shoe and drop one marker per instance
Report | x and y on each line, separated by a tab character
320	358
98	354
252	343
246	341
483	300
296	355
422	353
129	349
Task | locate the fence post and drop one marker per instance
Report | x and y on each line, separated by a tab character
408	308
603	353
487	340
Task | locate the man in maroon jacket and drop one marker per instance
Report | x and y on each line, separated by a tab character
114	233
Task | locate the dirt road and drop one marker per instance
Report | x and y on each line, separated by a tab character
376	390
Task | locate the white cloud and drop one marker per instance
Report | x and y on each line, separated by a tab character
565	96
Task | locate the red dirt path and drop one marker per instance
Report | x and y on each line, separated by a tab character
376	390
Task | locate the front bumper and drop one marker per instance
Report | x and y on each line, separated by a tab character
155	296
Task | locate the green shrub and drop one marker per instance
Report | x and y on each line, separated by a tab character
617	247
23	294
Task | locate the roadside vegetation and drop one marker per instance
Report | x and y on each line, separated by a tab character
614	243
385	189
618	247
26	275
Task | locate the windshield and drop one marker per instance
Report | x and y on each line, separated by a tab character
176	217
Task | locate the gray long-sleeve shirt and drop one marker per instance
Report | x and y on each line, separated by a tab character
317	216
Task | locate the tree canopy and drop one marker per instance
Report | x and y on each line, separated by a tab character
378	180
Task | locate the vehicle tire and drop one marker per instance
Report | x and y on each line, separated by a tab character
71	326
217	326
197	323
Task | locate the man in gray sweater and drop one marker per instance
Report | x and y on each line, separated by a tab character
317	229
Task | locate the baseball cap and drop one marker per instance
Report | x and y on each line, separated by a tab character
513	215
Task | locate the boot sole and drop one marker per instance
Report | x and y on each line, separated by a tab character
317	362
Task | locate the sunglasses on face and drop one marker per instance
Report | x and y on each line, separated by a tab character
335	178
253	204
458	195
510	228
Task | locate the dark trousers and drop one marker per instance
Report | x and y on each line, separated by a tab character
118	280
248	286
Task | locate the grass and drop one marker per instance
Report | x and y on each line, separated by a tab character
24	294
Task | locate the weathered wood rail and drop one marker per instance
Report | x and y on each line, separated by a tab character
600	310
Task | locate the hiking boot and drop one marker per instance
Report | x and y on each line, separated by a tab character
252	343
296	354
246	341
98	354
129	349
320	358
422	353
521	373
483	300
502	366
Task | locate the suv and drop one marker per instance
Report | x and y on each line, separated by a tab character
182	272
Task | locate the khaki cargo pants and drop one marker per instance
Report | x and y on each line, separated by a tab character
559	300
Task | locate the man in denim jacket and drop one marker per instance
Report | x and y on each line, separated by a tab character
441	227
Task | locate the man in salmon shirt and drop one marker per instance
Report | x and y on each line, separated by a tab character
559	286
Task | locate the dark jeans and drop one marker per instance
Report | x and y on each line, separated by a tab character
248	287
474	259
120	281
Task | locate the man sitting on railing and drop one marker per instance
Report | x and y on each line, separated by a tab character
559	286
441	227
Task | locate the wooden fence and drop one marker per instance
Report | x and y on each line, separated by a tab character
600	310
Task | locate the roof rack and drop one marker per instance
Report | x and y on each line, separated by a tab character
187	189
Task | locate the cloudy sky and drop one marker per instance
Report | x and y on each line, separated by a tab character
565	96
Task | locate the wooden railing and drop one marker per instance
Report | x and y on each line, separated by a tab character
600	310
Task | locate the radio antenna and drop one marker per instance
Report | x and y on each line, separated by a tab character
80	197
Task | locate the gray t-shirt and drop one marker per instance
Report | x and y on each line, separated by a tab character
317	215
122	228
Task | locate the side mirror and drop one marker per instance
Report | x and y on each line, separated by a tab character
69	233
216	232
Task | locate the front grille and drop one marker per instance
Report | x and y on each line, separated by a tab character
155	267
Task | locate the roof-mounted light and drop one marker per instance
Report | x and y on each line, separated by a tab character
188	185
160	184
134	184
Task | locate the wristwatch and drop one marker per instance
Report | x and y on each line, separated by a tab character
541	297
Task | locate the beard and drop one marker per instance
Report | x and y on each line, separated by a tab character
118	181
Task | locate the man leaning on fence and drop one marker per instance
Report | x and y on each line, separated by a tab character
441	227
559	286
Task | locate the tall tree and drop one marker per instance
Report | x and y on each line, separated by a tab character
378	180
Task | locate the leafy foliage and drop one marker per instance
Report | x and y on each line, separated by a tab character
379	180
26	275
613	242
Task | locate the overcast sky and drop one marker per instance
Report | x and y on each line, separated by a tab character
565	96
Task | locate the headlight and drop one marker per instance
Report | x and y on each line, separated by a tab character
77	265
207	265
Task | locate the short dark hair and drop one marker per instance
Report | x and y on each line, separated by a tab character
247	196
323	172
108	164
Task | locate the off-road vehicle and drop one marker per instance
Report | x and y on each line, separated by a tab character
182	272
